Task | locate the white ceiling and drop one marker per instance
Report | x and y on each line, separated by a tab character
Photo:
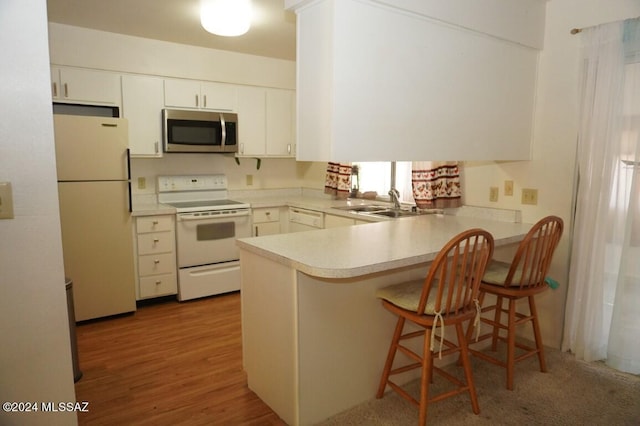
272	33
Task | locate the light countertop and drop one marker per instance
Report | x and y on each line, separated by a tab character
353	251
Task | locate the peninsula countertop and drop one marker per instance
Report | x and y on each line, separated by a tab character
353	251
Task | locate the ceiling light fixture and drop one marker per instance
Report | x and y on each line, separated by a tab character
228	18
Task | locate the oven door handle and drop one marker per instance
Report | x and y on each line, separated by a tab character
191	216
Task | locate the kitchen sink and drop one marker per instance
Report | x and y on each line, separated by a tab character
364	209
377	210
395	213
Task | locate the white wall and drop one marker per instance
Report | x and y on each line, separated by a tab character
35	358
556	121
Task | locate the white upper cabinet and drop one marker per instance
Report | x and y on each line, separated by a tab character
280	119
380	81
266	122
142	103
83	86
251	121
201	95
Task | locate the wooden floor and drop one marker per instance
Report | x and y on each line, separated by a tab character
169	363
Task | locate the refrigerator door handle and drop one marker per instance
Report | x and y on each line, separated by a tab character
128	164
129	180
129	192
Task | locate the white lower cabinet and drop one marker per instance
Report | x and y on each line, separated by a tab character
156	256
266	221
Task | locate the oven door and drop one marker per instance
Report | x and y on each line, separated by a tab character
204	238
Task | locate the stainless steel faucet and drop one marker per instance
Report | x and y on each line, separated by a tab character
395	198
393	193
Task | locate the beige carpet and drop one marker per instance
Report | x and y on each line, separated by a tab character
570	393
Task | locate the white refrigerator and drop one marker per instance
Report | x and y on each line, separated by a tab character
94	189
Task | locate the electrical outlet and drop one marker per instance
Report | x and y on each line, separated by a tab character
508	187
493	193
142	183
6	201
529	196
249	180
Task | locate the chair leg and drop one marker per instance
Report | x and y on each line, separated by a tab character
496	329
425	380
390	356
511	343
537	334
466	364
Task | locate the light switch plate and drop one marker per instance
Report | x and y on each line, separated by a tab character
493	193
529	196
508	187
6	201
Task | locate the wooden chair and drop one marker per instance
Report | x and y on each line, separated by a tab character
523	278
447	296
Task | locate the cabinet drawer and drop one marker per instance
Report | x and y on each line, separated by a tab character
154	264
158	285
158	242
154	223
266	215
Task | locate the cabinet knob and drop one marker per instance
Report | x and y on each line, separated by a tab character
156	261
155	222
158	282
156	240
268	213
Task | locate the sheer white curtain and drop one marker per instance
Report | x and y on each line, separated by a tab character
602	319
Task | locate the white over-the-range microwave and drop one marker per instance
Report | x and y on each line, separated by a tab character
188	131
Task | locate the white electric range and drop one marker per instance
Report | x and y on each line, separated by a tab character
207	225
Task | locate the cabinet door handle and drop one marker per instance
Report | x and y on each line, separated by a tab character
204	101
156	146
66	90
289	148
196	100
256	231
55	89
241	148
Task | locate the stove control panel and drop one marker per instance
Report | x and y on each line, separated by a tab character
192	183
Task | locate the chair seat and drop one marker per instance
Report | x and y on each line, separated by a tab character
496	274
406	295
